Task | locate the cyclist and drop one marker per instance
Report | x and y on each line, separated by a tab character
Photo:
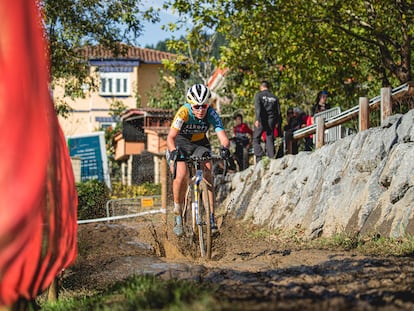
187	136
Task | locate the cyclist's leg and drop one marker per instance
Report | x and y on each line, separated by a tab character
185	147
179	185
179	190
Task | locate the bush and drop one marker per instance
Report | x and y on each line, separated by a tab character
92	197
145	189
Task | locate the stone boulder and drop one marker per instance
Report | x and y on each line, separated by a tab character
363	183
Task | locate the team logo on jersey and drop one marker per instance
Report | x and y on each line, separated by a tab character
178	123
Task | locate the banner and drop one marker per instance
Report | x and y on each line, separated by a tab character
38	201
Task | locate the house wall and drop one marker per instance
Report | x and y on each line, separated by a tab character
85	110
148	77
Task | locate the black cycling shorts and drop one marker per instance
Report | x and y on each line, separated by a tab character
187	147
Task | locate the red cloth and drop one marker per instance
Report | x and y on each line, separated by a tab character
309	121
275	134
38	201
242	128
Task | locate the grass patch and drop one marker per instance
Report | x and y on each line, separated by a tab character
373	245
370	244
142	293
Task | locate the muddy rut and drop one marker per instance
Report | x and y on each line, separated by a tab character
253	272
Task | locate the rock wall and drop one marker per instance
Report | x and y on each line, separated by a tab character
363	183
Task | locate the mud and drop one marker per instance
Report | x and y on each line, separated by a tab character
253	272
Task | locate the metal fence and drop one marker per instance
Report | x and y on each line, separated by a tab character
334	133
125	208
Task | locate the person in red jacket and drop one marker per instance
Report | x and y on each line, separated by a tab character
241	137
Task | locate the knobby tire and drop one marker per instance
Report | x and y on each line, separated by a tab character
204	225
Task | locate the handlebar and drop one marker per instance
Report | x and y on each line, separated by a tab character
196	160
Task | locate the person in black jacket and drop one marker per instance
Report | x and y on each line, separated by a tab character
320	103
267	110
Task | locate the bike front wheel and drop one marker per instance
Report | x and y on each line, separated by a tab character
204	223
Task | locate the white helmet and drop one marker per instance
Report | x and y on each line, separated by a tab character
198	94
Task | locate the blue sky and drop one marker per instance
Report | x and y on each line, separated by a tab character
153	33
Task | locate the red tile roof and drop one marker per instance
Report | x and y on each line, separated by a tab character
218	75
124	51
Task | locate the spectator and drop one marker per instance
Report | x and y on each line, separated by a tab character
320	103
303	121
291	145
300	117
267	111
241	136
309	139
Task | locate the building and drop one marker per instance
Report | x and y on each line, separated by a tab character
125	79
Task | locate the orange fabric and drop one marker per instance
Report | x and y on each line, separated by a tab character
38	201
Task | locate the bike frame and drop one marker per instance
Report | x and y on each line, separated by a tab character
200	205
197	195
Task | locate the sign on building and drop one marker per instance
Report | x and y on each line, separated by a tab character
91	150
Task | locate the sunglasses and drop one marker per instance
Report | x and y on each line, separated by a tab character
198	107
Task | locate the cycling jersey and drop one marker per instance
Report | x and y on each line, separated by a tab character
192	128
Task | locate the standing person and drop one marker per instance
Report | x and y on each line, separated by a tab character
187	136
267	110
241	131
320	102
293	123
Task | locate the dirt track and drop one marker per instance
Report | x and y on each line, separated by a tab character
254	273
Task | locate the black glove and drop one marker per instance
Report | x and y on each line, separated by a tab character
173	155
224	153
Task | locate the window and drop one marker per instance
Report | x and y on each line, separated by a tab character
106	122
105	125
115	84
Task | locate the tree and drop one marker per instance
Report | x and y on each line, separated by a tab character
72	24
302	46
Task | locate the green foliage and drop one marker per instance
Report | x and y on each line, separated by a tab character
92	197
133	191
72	24
373	244
367	244
351	48
142	293
167	94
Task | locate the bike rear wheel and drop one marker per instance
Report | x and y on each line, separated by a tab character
204	224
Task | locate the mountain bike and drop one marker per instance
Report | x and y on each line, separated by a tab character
197	205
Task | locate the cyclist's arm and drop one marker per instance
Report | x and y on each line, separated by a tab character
179	119
172	135
222	137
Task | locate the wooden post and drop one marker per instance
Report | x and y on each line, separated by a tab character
129	177
386	103
289	146
123	179
157	169
53	291
320	132
363	113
